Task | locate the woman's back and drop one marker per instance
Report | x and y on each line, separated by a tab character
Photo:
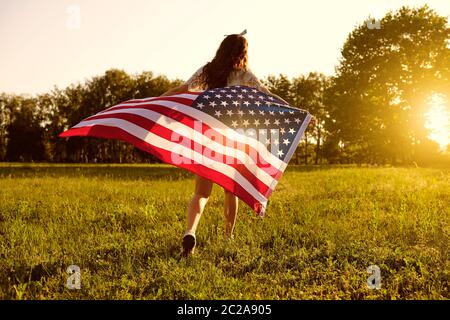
242	77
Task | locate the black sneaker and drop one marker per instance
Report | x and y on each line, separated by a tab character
188	245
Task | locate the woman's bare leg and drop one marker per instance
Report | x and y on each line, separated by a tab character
230	212
195	209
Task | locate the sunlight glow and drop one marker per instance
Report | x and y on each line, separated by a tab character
438	121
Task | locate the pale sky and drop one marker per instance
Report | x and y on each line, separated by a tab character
43	44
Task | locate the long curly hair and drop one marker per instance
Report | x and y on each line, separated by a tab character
231	55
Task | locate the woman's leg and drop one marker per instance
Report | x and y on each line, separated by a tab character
203	189
230	212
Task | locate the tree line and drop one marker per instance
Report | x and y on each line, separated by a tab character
372	110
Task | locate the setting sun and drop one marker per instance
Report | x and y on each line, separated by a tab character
438	121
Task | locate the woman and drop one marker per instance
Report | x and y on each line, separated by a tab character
228	68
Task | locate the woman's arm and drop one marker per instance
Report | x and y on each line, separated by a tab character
179	89
194	81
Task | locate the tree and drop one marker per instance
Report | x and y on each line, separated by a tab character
98	93
25	132
5	120
378	95
307	92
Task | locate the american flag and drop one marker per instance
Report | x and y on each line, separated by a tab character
236	136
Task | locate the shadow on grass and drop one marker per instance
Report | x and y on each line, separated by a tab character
128	171
24	273
308	168
120	172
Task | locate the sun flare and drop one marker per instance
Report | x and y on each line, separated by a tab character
438	121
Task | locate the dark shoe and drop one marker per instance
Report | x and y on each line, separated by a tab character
188	245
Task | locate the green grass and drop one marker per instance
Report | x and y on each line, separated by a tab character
122	224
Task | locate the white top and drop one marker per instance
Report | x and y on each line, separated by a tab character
242	77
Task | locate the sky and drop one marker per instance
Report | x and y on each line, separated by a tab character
47	43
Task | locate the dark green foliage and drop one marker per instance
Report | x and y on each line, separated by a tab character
30	125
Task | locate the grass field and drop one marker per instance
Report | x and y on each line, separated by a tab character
122	224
